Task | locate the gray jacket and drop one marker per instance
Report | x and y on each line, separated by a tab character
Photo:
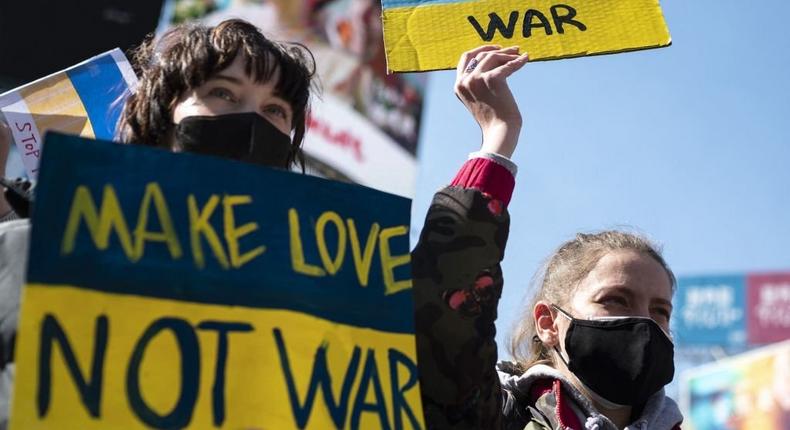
523	410
14	240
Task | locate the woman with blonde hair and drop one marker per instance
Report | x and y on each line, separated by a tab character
592	350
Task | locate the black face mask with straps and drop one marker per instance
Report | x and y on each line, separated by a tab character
624	360
239	136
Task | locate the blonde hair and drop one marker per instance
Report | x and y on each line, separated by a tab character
560	277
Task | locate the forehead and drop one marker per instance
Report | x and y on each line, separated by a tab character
243	68
629	271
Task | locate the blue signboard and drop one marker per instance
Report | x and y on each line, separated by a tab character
710	310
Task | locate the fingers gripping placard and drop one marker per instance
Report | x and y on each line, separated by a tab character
422	35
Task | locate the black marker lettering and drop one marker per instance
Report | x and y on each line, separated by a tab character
528	25
559	20
495	24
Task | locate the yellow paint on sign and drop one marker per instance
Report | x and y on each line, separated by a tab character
272	373
432	35
55	105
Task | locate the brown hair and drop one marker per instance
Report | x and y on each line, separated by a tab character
189	54
557	282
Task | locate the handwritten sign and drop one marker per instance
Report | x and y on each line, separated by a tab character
173	290
421	35
83	99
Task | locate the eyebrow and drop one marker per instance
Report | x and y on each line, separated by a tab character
228	78
618	289
630	294
663	302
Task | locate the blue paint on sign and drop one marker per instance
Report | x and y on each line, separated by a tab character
128	219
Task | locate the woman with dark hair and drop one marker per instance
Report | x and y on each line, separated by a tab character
229	91
223	79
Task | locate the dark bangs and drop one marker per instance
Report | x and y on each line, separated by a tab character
190	54
263	57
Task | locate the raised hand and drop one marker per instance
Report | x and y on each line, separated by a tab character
481	85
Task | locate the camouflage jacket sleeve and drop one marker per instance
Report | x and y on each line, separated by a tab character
457	284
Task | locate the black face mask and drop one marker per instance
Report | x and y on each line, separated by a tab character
624	360
239	136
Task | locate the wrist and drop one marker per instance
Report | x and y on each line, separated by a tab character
501	137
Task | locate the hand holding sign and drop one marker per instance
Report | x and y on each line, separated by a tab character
481	85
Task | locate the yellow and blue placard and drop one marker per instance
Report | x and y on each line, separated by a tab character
421	35
179	291
85	99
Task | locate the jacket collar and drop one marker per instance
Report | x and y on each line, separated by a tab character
660	412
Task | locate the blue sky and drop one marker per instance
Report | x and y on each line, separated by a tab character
687	144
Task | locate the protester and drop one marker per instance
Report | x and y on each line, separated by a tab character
228	91
14	239
201	85
592	350
599	322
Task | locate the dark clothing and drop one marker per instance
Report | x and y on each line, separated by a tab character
542	398
457	285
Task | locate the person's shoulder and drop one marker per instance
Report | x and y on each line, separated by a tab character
514	376
14	225
14	238
14	242
517	412
662	412
535	424
509	368
13	235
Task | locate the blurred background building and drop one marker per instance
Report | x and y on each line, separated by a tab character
732	337
365	124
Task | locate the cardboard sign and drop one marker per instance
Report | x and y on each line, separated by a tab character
422	35
173	290
85	99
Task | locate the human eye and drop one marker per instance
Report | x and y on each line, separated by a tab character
276	110
662	312
614	301
224	94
